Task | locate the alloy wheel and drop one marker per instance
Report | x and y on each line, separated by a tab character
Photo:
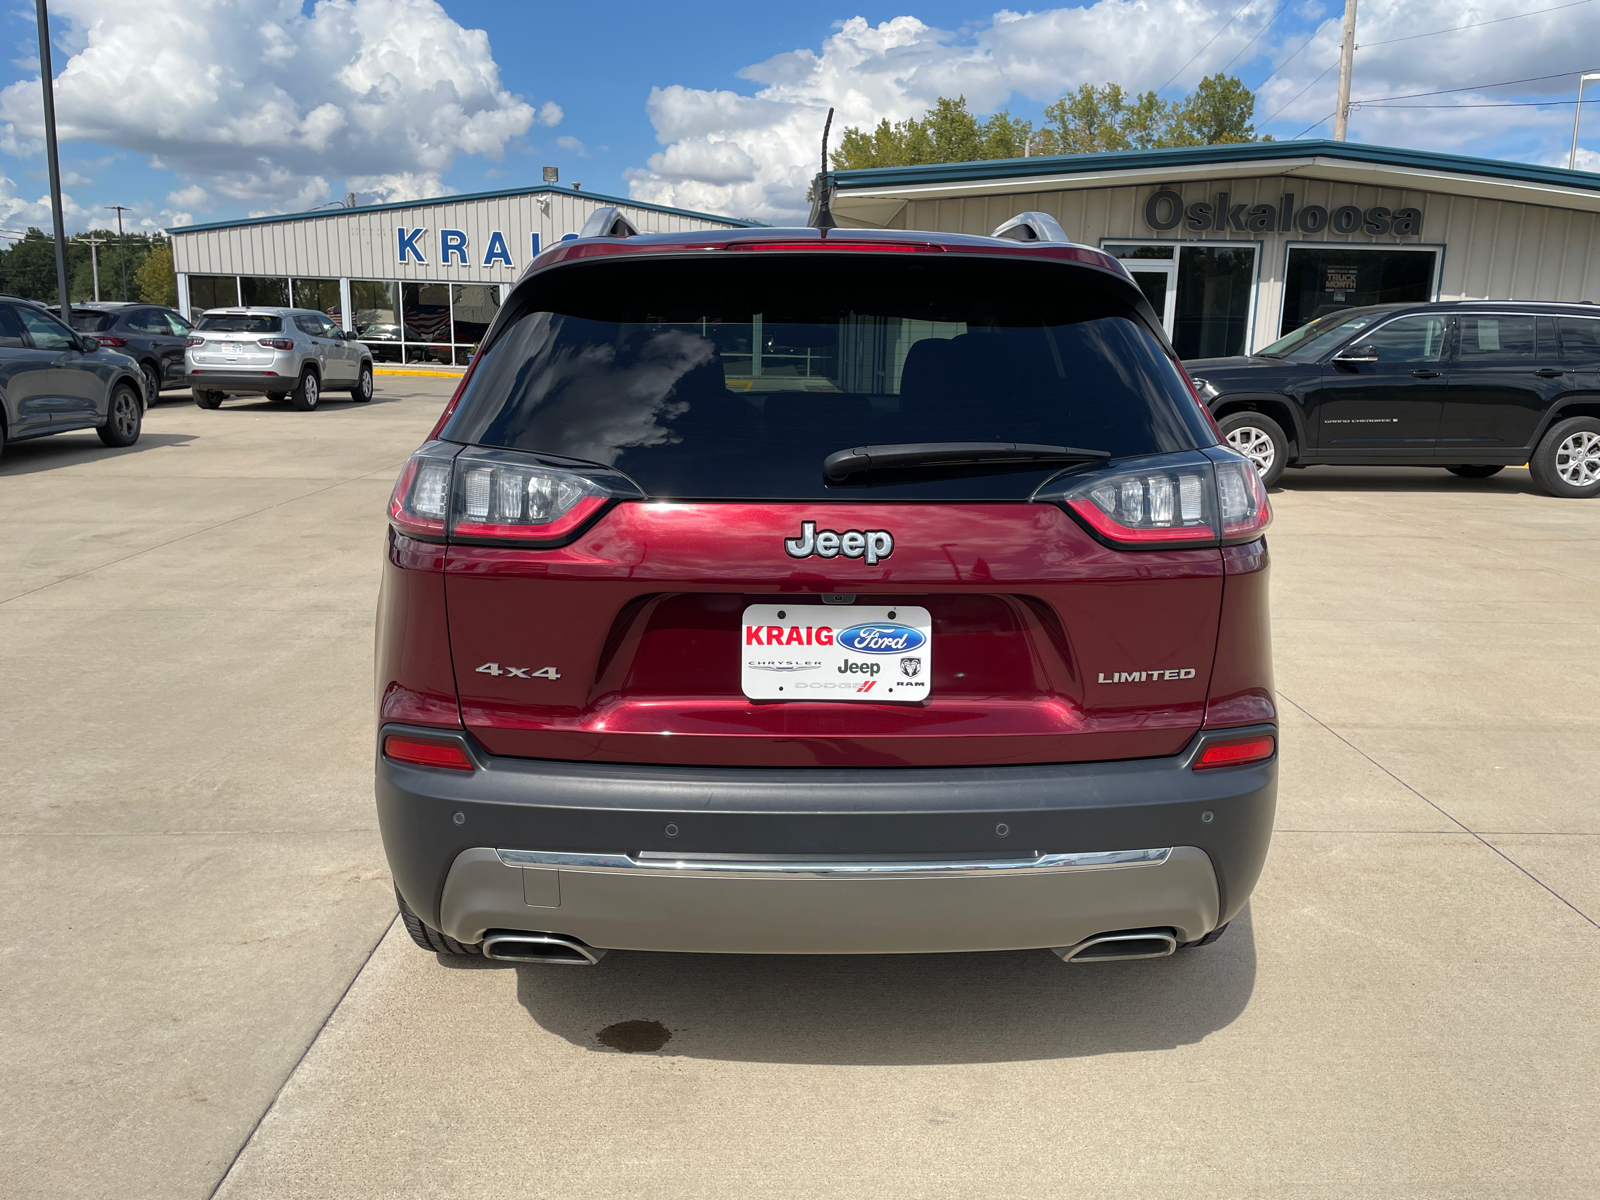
1578	459
311	391
125	412
1255	445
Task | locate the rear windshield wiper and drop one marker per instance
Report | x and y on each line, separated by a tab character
938	455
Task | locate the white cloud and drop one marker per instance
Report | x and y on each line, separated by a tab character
193	196
550	113
18	213
573	145
754	155
257	98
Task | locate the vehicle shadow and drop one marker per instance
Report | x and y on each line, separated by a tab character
1509	482
70	449
893	1010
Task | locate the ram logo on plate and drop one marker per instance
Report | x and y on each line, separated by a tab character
884	638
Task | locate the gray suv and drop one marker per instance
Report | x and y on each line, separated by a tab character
293	354
54	380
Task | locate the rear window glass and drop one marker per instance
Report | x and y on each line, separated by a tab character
735	378
240	323
93	322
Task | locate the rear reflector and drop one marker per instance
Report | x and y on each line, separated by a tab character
425	752
1236	754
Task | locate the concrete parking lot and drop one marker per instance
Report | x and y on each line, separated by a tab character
204	990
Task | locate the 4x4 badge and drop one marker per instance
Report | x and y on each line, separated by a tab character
873	544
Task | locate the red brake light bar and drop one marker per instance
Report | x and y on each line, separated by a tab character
426	752
890	247
1237	753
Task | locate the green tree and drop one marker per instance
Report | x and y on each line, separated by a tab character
1088	120
158	283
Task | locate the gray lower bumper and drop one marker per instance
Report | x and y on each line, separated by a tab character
242	383
839	906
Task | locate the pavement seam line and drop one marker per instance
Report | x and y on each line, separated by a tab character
290	1074
192	533
1448	816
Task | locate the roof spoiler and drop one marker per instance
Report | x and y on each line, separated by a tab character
1032	227
608	222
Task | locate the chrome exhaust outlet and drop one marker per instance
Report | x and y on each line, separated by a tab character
551	949
1115	947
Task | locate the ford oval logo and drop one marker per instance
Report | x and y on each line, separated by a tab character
882	638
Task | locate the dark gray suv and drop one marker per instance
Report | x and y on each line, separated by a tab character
54	380
151	334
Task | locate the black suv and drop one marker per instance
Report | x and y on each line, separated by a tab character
1473	387
150	334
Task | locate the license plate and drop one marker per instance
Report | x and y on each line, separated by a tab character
835	652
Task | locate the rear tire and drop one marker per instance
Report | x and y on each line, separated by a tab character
124	418
277	397
1567	462
362	392
307	392
1474	472
1260	439
206	398
152	384
428	938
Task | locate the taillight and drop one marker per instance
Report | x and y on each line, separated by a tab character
426	752
195	341
112	342
1202	498
839	244
1243	502
278	343
497	496
1236	753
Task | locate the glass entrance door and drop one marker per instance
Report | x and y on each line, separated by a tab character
1205	292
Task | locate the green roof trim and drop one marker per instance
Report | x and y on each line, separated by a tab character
537	189
1183	156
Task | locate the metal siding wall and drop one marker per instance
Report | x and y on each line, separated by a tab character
1492	249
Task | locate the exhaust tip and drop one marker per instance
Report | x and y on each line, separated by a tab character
549	949
1124	944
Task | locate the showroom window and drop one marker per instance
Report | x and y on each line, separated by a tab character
319	294
1202	293
271	291
1323	279
212	291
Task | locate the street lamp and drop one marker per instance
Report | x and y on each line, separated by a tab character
1572	159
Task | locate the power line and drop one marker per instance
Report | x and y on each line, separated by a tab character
1290	59
1302	92
1269	25
1500	104
1411	37
1476	87
1313	124
1203	49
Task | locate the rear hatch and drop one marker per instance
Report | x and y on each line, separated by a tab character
829	509
241	340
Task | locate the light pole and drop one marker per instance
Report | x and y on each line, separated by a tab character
47	81
94	245
1572	159
122	250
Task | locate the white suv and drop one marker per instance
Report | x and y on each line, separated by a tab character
291	354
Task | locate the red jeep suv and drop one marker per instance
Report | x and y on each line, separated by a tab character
825	592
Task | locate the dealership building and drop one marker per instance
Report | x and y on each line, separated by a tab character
418	281
1237	245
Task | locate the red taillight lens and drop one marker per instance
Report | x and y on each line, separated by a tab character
500	497
112	342
278	343
1236	753
832	244
1150	508
421	496
425	752
195	341
1243	502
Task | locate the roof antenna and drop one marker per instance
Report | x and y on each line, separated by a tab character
822	194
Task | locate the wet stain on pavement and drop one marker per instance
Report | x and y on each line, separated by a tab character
635	1037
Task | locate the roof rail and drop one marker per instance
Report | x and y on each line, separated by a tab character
608	221
1032	227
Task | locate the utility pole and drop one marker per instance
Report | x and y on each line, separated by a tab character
1572	159
94	245
47	81
1347	57
122	250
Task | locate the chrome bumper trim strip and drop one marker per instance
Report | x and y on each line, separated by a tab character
812	867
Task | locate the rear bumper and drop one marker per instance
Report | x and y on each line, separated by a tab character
823	860
276	378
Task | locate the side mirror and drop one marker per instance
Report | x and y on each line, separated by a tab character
87	345
1364	353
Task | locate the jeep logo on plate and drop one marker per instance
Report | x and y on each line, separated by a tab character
881	638
873	544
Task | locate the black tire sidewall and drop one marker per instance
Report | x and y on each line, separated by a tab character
206	398
362	392
299	397
1542	465
1280	441
110	434
152	384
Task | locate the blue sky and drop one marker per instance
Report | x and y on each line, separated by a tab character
193	110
